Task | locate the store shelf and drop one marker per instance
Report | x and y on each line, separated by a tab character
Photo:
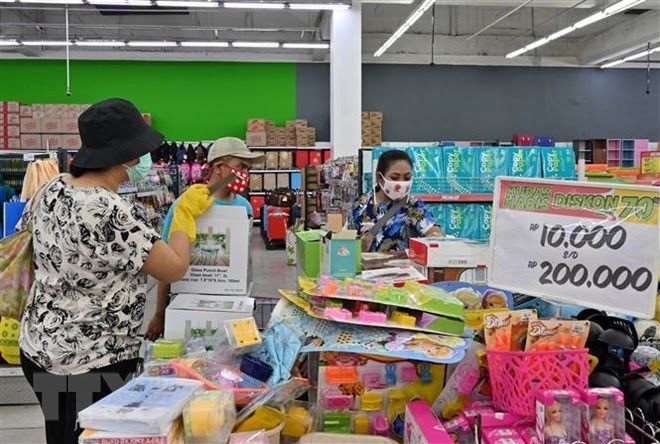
275	171
291	148
440	198
257	193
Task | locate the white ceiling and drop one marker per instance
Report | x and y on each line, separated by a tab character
455	21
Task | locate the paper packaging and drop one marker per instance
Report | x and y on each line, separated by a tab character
26	111
71	141
256	125
524	161
270	181
256	182
37	107
286	160
51	110
173	436
52	141
52	125
31	142
10	119
70	126
308	249
31	125
340	255
193	313
256	138
422	426
10	143
462	221
283	180
10	131
492	161
10	107
444	252
219	256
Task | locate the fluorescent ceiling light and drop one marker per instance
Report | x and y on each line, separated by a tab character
639	55
255	45
246	5
319	6
100	43
614	63
593	18
421	9
7	1
185	4
146	3
46	43
54	2
9	43
205	44
151	44
305	45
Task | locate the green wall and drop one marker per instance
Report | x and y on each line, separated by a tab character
187	100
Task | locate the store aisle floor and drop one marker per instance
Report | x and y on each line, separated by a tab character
23	424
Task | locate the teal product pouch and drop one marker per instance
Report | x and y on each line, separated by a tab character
485	220
524	161
427	169
491	161
558	162
439	213
460	168
462	220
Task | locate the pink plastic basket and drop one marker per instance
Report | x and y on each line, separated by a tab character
514	376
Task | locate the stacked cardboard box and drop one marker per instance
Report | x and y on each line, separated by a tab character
372	128
262	132
39	126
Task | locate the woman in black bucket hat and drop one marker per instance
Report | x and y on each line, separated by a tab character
93	251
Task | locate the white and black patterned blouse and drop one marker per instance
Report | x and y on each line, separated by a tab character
87	303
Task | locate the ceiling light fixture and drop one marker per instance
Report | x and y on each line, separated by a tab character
593	18
185	4
305	45
100	43
54	2
143	3
265	45
7	1
254	5
212	44
417	13
151	44
639	55
45	43
9	43
319	6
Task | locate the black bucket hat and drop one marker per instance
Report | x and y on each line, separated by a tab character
113	132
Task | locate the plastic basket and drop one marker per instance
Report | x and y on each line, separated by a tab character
514	376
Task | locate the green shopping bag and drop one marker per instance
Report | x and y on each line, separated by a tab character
16	273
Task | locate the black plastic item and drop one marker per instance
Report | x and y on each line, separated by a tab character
595	331
587	313
256	368
605	377
649	403
634	385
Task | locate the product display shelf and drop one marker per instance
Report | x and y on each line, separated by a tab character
641	145
627	153
311	199
613	152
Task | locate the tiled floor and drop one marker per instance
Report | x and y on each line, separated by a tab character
23	424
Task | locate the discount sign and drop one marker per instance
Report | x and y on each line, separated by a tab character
595	245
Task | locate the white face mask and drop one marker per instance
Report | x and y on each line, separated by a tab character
396	190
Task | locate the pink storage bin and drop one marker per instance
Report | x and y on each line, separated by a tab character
515	376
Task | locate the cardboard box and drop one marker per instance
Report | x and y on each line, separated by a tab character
37	114
10	119
52	125
256	138
308	250
340	254
193	313
376	115
365	115
283	180
262	164
256	125
12	143
51	111
256	182
31	142
52	141
311	136
270	125
443	252
10	131
301	122
38	107
26	111
270	181
219	256
70	126
71	141
286	160
422	426
31	125
10	107
272	160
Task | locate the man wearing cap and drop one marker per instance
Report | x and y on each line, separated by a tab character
228	156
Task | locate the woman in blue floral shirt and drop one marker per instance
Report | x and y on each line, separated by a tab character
393	181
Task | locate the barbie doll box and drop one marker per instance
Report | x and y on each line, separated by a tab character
219	260
422	426
558	416
603	416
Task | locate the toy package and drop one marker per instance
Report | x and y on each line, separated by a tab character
422	426
604	415
549	335
558	163
558	414
524	161
507	330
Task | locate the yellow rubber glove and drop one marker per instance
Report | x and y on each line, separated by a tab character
192	204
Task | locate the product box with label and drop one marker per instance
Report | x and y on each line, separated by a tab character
525	161
340	254
10	143
192	314
423	426
31	142
445	252
10	119
52	125
10	107
462	220
31	125
459	164
26	111
256	125
308	249
71	141
70	126
52	141
10	131
219	255
258	138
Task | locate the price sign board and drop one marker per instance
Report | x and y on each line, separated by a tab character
595	245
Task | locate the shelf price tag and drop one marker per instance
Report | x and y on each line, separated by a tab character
595	245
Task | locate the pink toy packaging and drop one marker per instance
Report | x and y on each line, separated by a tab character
558	414
503	436
603	418
422	426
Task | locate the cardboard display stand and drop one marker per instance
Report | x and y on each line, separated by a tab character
219	261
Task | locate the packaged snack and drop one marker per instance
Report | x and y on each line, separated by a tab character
549	335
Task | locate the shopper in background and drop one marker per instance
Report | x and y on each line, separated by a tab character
410	217
92	253
228	156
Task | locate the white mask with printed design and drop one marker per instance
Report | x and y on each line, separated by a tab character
396	190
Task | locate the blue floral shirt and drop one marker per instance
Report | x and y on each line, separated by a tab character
412	220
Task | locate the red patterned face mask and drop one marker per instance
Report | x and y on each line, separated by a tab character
240	183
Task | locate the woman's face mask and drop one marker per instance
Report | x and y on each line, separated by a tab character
396	190
139	171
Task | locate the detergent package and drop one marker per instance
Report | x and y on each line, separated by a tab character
491	161
524	161
459	163
558	163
